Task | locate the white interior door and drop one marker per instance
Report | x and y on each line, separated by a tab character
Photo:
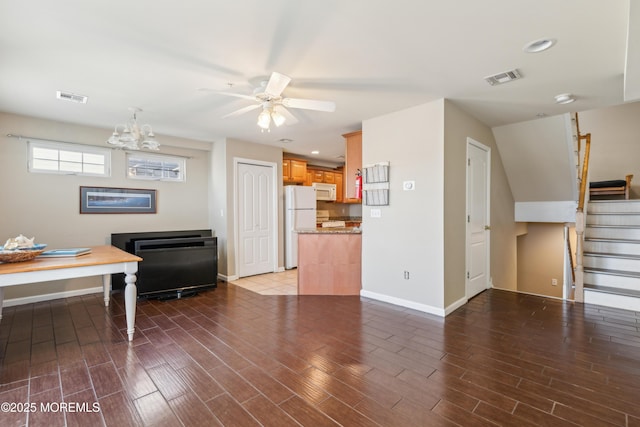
255	219
478	221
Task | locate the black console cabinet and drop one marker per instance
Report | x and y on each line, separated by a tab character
174	263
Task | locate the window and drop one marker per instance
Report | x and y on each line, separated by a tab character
156	167
69	159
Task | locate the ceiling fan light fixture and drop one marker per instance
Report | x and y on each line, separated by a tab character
564	98
278	119
264	119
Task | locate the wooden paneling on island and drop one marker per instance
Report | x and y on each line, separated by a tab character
329	262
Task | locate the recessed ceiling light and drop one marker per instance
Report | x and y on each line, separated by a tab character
285	140
564	98
539	45
315	152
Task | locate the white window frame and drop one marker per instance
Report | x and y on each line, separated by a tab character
165	158
69	148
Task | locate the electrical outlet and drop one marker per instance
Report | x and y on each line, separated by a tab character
554	282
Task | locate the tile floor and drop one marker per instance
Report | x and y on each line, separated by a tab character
283	283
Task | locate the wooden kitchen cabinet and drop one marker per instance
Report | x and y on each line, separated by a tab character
321	175
318	176
329	177
353	162
294	170
339	187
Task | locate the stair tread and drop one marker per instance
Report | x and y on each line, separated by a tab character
615	201
611	255
610	239
611	226
615	291
613	213
625	273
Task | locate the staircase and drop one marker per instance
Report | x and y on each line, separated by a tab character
612	254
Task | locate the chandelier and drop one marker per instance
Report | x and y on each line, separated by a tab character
268	114
132	136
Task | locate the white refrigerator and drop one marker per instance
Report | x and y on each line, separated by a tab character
300	212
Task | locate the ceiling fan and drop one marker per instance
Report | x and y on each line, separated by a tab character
268	96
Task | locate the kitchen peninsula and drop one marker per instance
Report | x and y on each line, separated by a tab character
329	261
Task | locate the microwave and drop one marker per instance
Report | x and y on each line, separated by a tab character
325	191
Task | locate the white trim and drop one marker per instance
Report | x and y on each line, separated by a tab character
531	293
488	284
48	297
226	278
456	305
68	147
403	303
168	158
556	211
274	213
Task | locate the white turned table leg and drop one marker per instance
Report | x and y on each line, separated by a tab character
106	288
130	295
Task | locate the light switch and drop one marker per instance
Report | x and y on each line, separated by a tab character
376	213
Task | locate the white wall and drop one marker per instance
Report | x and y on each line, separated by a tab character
47	206
538	159
223	197
423	231
458	127
409	236
614	143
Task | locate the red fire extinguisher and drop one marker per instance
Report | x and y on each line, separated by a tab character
358	184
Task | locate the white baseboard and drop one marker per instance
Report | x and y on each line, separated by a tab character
225	278
48	297
531	293
456	305
403	303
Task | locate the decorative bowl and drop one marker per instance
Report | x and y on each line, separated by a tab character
21	254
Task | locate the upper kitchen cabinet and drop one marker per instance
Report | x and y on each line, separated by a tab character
294	170
322	175
353	162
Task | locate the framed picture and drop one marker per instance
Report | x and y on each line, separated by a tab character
106	200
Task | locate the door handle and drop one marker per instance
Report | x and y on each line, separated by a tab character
486	227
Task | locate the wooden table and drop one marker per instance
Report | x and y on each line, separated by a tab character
103	260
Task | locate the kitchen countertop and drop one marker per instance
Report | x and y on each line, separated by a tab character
330	230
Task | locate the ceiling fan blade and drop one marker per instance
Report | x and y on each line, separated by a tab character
236	95
310	104
242	111
277	83
290	119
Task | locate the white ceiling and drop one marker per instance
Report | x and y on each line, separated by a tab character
369	56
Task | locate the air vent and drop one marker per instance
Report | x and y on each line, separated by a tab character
505	77
66	96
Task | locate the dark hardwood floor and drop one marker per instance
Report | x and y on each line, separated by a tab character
236	358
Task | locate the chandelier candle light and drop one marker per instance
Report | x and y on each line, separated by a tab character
132	136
